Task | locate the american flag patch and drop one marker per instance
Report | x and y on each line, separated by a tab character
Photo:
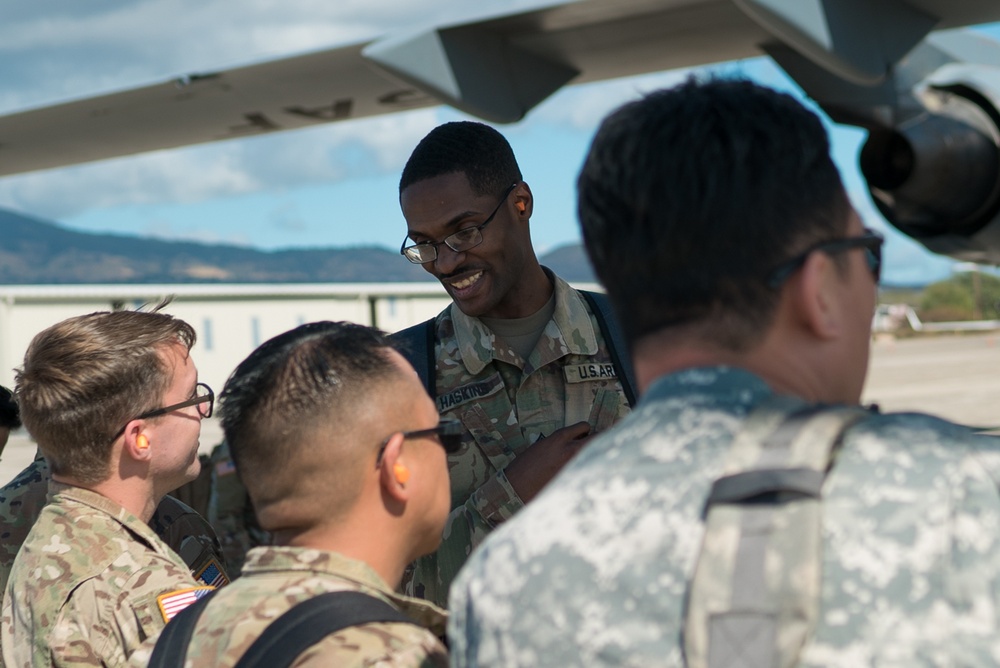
212	575
175	601
225	467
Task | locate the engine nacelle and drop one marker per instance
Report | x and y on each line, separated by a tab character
936	175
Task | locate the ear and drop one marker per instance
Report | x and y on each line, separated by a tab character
137	443
393	472
819	293
523	201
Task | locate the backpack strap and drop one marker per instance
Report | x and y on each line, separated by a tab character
310	621
171	647
416	344
600	306
755	596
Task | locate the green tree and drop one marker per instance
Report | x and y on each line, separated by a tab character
956	298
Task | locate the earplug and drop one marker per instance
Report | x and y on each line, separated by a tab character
402	473
520	206
141	442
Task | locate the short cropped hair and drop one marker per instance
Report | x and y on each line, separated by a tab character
475	149
10	416
86	377
305	382
689	197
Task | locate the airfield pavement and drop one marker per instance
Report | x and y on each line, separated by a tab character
954	376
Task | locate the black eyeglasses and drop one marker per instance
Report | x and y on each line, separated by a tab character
871	241
203	395
463	240
448	432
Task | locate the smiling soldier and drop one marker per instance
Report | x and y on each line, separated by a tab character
530	366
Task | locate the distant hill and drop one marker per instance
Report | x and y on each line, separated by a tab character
34	251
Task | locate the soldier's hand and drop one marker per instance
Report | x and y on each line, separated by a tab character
536	466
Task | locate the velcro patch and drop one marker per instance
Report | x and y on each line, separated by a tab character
212	575
583	373
173	602
471	392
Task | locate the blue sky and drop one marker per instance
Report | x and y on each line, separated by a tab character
333	185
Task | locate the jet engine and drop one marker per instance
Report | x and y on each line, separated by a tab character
936	175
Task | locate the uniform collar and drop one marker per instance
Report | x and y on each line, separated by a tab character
302	559
60	492
569	332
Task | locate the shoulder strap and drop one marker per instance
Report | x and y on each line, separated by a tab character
608	321
171	647
755	596
310	621
417	346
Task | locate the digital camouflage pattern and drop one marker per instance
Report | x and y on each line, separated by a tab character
231	512
506	404
84	587
21	501
277	578
595	571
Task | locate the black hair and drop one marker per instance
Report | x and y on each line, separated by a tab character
690	196
307	375
475	149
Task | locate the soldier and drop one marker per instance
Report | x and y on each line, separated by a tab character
748	512
343	456
113	401
528	365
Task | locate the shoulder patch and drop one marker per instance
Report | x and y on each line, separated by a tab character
225	467
582	373
470	392
212	574
173	602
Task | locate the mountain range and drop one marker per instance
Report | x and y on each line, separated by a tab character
34	251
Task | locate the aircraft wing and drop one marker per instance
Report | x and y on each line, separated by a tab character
929	98
497	67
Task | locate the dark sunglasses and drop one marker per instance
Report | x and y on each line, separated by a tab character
871	241
448	432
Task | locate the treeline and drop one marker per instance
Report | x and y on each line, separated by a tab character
973	295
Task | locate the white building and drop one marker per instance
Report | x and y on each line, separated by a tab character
231	320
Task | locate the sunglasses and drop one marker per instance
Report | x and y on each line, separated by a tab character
871	241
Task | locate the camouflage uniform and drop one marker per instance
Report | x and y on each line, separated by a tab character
275	579
88	585
595	571
231	512
506	404
22	499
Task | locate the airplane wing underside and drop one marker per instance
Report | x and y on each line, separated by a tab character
930	99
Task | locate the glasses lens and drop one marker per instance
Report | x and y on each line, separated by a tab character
420	253
208	400
450	432
465	239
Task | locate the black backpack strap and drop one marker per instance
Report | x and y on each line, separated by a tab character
310	621
600	306
171	647
416	344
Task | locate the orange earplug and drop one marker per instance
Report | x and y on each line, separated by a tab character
402	473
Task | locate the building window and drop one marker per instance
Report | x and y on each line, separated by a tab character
255	331
206	337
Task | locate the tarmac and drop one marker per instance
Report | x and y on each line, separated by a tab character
956	377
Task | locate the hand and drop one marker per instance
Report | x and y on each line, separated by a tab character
536	466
